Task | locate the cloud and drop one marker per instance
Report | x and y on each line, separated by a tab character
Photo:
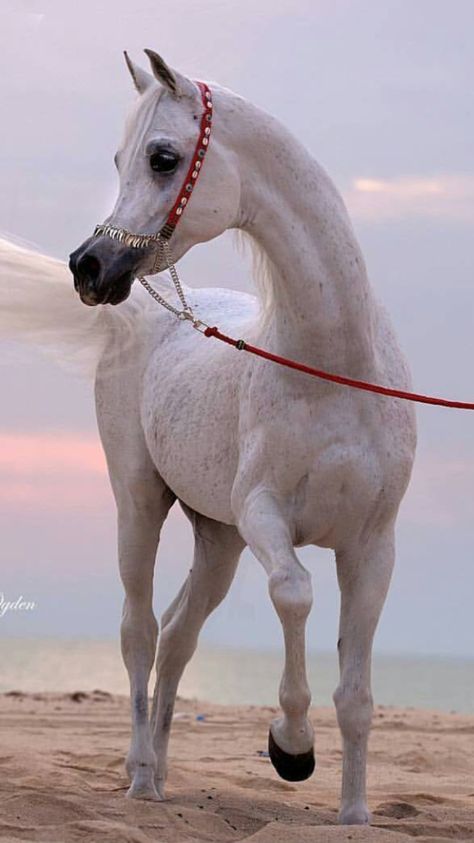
60	471
29	454
449	196
52	471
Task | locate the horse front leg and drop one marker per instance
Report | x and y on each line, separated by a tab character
142	508
264	528
364	576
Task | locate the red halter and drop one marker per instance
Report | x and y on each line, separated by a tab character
184	195
192	175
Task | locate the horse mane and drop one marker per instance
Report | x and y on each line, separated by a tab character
261	274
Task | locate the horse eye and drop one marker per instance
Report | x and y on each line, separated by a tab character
164	161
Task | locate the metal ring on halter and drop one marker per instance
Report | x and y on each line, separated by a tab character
187	312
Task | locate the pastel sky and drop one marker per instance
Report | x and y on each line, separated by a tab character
381	93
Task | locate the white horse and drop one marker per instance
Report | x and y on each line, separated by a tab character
256	455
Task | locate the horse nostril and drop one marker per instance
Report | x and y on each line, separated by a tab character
89	268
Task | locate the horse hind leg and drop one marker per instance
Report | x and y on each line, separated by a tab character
216	554
266	532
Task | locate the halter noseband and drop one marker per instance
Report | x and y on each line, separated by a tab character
137	241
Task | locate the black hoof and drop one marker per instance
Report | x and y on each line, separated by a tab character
292	768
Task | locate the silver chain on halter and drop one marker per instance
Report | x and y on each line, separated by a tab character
137	241
186	312
163	249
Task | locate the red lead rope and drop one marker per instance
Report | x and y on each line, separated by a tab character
327	376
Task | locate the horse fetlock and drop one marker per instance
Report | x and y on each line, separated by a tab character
356	813
143	784
141	770
160	785
140	760
294	703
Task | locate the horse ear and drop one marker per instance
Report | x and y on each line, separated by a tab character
141	79
177	85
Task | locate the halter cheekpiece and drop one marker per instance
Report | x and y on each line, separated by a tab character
162	237
142	240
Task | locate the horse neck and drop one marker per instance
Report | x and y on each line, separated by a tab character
319	303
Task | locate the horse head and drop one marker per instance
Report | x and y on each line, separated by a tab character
153	159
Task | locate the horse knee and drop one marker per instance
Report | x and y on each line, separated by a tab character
136	621
138	632
354	707
291	593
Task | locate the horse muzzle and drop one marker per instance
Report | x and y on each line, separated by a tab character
104	270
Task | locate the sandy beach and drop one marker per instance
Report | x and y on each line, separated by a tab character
63	777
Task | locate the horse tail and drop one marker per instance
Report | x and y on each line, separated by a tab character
39	306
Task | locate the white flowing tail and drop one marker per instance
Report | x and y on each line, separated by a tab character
38	305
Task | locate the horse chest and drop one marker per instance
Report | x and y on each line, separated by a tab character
332	457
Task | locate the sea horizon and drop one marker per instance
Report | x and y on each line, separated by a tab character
235	675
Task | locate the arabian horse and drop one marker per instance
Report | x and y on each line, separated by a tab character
256	455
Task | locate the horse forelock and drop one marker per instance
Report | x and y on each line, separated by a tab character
139	120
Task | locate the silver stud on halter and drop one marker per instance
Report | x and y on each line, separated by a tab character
160	240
